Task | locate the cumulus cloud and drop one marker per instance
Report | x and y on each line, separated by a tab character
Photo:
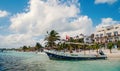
42	16
107	22
16	40
3	13
105	1
82	25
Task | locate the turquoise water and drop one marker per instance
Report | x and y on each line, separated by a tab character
30	61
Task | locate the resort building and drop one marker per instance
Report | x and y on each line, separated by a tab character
87	39
107	34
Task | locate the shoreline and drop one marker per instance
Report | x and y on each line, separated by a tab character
115	53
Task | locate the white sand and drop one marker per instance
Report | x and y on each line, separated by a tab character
115	53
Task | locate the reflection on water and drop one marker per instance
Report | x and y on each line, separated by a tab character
28	61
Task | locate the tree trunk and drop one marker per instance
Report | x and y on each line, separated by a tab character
97	51
89	50
84	52
110	50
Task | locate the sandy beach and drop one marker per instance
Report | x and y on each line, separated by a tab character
115	53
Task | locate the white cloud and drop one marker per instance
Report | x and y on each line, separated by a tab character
107	22
16	40
82	25
105	1
42	16
3	13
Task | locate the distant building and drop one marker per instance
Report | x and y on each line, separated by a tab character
87	39
107	34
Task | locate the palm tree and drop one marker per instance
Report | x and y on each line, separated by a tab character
96	46
118	44
81	40
71	40
105	42
51	38
60	46
90	47
84	48
70	48
110	46
24	48
38	46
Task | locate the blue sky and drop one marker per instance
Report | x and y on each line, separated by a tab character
94	11
98	11
13	6
88	15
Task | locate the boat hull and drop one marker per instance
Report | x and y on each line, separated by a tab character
62	57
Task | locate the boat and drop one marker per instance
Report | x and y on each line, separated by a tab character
54	55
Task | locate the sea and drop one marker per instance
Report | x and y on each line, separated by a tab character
31	61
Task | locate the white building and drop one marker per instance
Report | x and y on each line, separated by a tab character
107	34
87	39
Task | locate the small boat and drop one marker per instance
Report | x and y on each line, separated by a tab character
54	55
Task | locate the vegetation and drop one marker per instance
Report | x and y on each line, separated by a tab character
118	45
110	46
51	38
96	46
53	42
24	48
37	47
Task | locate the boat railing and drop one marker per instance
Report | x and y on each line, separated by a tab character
57	52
